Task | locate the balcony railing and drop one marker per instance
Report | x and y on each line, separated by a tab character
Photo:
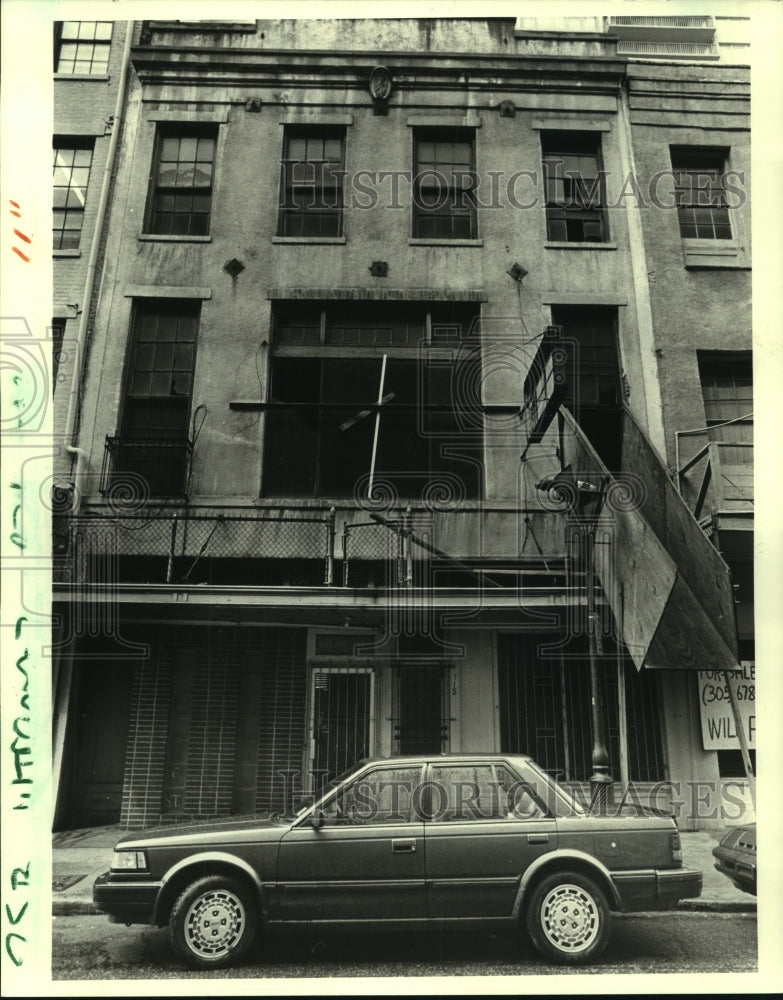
662	28
718	478
297	547
146	467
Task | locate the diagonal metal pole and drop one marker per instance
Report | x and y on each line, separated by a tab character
377	428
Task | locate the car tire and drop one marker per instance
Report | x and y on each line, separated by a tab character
568	918
214	922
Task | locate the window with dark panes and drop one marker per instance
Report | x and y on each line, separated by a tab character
58	335
325	381
82	47
700	195
181	199
593	391
575	187
71	174
727	388
444	179
311	193
154	441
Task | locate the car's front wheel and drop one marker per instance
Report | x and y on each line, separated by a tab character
214	922
568	918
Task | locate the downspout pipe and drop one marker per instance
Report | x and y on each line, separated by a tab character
71	436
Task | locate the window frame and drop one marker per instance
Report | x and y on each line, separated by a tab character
580	144
74	145
442	134
164	131
333	315
179	444
705	161
60	42
288	209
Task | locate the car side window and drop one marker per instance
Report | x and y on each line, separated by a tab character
464	793
475	792
385	795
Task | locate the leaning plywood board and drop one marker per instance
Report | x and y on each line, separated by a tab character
660	574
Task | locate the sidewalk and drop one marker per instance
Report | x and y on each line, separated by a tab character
79	856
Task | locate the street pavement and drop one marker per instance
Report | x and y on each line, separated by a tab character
79	856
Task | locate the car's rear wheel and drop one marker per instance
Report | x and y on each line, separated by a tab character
568	918
214	922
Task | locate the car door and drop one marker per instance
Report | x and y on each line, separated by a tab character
366	861
483	827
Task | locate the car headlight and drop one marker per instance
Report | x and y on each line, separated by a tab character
129	861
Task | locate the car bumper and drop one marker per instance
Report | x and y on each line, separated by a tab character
738	869
125	902
656	889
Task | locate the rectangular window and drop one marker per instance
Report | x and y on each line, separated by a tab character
71	170
311	189
323	400
699	192
575	186
58	335
82	47
727	388
181	196
444	179
593	391
154	441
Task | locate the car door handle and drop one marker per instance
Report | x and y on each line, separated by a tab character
538	838
403	846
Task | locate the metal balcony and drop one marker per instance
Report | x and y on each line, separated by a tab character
145	467
662	28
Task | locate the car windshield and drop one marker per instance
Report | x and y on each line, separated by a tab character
329	787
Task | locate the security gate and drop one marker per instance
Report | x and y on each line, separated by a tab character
342	719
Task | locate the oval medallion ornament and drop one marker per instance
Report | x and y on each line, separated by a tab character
380	84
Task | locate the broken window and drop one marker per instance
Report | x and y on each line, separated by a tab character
322	409
575	187
593	376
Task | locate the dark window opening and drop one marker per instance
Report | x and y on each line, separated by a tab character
181	198
154	442
71	175
444	205
420	727
58	335
311	189
82	47
575	186
727	388
731	765
699	193
323	406
593	392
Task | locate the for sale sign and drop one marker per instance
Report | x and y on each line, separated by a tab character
718	725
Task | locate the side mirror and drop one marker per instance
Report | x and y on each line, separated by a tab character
317	819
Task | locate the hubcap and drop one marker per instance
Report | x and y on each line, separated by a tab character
570	918
215	923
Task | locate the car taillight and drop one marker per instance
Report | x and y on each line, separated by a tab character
675	846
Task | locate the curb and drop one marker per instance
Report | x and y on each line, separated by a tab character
714	906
